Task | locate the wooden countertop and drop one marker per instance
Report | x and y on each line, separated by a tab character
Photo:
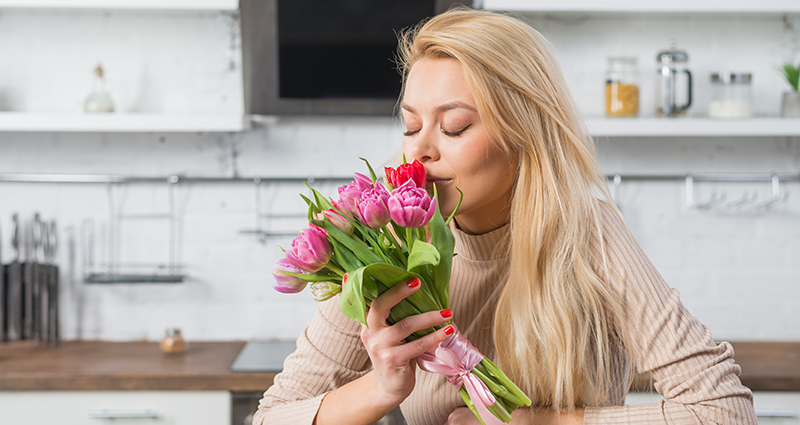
95	365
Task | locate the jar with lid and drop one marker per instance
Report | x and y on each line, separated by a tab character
173	341
731	95
622	87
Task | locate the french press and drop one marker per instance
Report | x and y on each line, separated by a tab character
673	82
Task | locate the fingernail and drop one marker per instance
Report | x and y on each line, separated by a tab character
448	330
446	313
413	283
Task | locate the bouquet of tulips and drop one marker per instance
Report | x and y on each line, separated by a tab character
376	236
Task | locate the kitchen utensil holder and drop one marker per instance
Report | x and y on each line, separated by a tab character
263	233
111	271
747	203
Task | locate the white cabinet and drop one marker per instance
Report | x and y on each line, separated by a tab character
123	4
772	407
110	407
627	6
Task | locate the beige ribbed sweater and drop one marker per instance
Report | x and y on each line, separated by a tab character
697	377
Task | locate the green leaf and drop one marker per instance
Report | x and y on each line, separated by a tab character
311	277
444	241
371	171
422	253
322	202
363	283
359	248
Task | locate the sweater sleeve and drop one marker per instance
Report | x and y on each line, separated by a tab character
329	354
697	377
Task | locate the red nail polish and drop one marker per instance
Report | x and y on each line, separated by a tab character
413	283
449	330
446	313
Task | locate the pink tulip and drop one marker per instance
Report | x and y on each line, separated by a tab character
287	283
373	208
350	194
338	220
311	250
410	206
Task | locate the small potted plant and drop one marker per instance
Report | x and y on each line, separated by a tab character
790	108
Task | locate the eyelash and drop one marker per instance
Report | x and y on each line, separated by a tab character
447	133
456	133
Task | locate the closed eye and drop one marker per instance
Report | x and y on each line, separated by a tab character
456	133
410	132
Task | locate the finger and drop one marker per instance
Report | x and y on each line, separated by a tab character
427	343
407	326
379	310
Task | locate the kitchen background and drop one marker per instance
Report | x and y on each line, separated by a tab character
737	270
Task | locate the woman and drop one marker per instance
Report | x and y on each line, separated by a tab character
547	279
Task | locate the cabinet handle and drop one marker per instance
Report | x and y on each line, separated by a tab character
775	414
123	414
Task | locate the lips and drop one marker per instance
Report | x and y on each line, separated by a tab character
439	182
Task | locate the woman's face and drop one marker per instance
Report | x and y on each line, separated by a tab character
445	133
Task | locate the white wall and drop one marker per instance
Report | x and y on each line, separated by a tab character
738	273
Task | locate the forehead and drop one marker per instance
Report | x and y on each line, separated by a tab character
436	81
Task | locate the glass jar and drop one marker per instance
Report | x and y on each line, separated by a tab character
173	341
731	95
622	87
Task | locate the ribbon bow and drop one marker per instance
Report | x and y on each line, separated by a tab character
455	358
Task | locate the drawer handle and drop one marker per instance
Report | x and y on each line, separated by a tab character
123	414
775	414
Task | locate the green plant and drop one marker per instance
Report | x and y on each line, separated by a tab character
792	74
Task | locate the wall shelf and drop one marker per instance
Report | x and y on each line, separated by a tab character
638	6
705	127
121	123
185	5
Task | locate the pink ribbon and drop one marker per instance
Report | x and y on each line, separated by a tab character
455	359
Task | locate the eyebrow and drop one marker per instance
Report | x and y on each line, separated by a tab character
442	108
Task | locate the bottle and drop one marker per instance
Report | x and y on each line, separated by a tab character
100	99
173	341
622	88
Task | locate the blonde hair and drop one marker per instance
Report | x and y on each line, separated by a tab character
556	320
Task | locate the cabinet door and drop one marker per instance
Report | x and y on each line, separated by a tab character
109	407
777	408
772	408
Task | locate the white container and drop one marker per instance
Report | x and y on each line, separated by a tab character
731	95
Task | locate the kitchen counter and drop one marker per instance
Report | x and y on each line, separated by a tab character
95	365
99	365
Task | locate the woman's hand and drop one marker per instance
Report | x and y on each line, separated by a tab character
392	357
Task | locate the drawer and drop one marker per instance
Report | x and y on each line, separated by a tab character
111	407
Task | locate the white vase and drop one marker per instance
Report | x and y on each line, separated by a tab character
790	108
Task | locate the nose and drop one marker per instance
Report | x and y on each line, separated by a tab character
422	147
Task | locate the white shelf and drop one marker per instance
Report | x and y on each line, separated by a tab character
121	123
668	127
187	5
639	6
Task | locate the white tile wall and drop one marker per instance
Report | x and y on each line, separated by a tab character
738	273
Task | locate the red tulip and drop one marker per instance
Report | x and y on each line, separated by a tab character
414	171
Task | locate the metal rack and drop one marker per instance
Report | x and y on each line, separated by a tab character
173	274
111	272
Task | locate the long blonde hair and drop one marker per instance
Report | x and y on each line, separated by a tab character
556	320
